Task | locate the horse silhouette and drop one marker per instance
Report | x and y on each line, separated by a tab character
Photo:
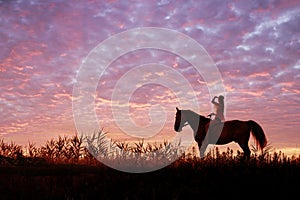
229	131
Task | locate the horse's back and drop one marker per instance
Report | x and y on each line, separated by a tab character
233	130
236	123
237	128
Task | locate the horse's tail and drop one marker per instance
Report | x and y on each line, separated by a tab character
258	133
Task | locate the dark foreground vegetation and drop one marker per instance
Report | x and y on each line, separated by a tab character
65	169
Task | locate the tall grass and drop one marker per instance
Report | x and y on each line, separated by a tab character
67	168
89	149
128	155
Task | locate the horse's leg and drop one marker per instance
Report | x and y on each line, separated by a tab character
246	150
199	146
203	147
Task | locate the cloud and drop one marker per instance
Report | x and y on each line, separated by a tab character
255	45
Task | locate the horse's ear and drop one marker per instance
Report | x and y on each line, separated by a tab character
177	109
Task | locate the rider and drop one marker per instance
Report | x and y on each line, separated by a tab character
219	107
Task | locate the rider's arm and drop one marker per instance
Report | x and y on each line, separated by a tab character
213	100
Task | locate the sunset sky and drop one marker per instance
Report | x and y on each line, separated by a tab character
255	45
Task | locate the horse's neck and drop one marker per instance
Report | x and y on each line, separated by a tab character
195	121
194	124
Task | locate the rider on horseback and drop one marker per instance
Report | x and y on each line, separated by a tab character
219	107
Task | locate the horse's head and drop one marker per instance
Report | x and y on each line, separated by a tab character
180	120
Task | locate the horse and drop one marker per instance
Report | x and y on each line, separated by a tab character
222	133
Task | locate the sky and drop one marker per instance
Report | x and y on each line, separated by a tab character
43	45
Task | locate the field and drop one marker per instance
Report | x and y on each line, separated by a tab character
65	169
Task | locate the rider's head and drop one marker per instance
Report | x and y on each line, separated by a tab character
221	98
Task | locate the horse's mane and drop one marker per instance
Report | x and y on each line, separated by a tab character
196	115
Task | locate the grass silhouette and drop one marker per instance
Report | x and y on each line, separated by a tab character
66	168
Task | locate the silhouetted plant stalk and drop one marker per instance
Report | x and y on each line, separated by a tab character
97	144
